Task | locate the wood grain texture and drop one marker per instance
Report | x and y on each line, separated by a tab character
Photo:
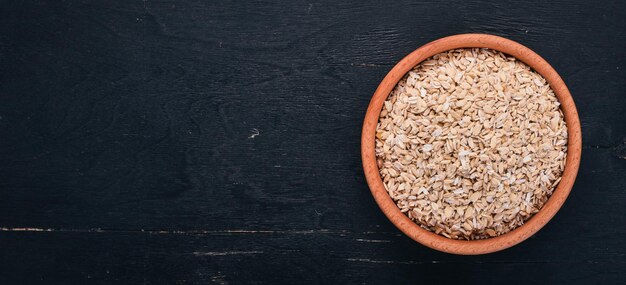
124	121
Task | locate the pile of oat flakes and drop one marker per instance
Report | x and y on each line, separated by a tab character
471	143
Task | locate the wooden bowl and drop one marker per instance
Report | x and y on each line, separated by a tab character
536	222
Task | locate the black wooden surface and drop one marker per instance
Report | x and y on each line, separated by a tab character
175	142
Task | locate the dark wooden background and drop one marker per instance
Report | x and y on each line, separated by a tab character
175	142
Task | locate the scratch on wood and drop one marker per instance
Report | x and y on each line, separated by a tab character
618	149
386	233
278	232
183	232
226	232
254	133
6	229
362	64
219	278
235	232
367	260
598	146
24	230
372	240
224	253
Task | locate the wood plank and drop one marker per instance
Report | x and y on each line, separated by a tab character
212	141
287	257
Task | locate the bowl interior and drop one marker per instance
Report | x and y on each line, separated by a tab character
554	203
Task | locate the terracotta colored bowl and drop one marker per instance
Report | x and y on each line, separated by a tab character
430	239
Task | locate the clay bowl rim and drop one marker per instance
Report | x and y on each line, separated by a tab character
535	223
